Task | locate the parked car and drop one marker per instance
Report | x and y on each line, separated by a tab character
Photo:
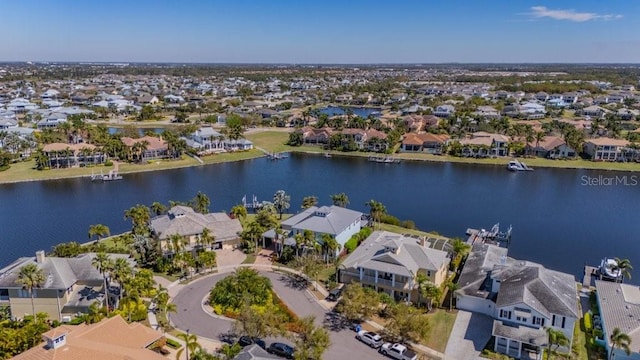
334	294
397	351
370	338
247	340
281	349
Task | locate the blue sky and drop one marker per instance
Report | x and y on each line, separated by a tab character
324	31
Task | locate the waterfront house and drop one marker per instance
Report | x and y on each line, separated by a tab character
484	144
522	297
426	142
206	140
391	263
71	285
155	148
241	144
184	221
542	96
552	147
339	222
605	149
112	338
619	306
313	136
370	140
60	155
8	123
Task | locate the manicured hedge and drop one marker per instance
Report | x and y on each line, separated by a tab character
173	344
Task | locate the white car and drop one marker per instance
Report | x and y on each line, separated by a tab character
370	338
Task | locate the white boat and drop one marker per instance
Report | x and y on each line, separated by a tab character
609	269
515	165
384	160
327	155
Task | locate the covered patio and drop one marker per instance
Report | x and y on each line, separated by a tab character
520	342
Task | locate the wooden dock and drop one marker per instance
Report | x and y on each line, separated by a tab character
590	273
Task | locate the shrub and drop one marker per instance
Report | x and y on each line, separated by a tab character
351	245
173	344
409	224
108	163
390	219
588	325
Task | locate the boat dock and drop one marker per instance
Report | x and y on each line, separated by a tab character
589	276
493	236
383	159
111	176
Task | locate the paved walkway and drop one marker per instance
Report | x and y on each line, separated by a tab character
470	334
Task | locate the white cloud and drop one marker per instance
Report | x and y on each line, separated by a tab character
570	14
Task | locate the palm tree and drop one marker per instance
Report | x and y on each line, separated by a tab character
99	230
376	210
122	271
190	343
102	262
239	211
331	246
432	293
452	289
206	238
201	203
177	243
619	340
557	338
282	201
624	265
158	208
31	277
341	199
309	201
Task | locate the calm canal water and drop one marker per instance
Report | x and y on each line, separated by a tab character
359	111
561	218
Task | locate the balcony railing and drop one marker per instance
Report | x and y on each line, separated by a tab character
371	280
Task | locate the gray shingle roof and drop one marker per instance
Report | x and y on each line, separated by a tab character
254	352
547	291
326	219
620	308
185	221
524	334
60	273
411	257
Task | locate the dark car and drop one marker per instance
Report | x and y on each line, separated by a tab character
246	341
334	294
281	349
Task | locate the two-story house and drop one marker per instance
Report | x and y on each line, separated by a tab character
190	225
605	149
155	148
426	142
339	222
206	140
523	297
71	285
390	263
484	144
619	306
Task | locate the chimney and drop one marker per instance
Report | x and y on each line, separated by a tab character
40	257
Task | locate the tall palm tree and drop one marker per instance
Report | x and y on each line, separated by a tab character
341	199
206	238
624	265
376	210
282	201
557	338
31	277
619	340
452	289
122	272
330	245
102	262
190	344
201	203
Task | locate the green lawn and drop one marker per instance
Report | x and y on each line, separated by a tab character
440	326
401	230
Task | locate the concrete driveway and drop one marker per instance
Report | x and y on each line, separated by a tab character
470	334
191	315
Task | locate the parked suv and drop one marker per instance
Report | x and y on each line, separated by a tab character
370	338
246	341
334	294
280	349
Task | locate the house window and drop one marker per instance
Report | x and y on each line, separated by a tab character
428	273
538	321
521	319
563	321
553	320
505	314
